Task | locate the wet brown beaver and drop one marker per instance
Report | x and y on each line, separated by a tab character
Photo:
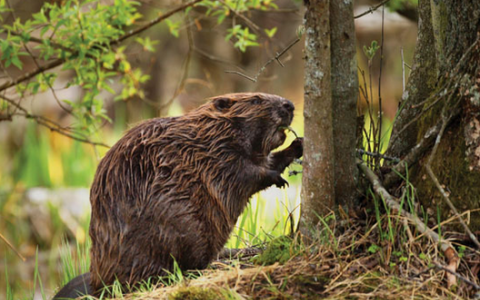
173	188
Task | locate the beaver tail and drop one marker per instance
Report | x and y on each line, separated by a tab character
78	286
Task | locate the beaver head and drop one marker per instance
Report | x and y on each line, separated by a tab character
261	118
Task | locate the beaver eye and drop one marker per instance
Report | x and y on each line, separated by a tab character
256	100
223	104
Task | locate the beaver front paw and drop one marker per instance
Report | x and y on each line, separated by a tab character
280	182
296	147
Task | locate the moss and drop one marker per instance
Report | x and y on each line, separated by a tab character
452	171
280	250
193	293
439	23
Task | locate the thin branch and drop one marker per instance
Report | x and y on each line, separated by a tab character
154	22
58	62
378	155
275	58
51	43
47	81
11	247
371	9
214	58
243	75
380	110
186	67
445	245
413	156
403	70
446	269
227	253
449	87
26	76
51	124
249	22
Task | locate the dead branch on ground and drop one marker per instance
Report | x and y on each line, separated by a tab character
445	246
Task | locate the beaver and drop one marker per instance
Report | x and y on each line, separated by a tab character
171	189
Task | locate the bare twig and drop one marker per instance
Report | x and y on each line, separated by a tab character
446	269
11	247
371	9
227	253
380	110
403	70
242	75
186	67
213	58
275	58
378	155
445	246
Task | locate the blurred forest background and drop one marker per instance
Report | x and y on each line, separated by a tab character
45	176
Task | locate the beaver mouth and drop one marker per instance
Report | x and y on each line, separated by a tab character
281	131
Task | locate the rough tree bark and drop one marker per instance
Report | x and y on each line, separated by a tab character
446	72
344	96
318	192
331	90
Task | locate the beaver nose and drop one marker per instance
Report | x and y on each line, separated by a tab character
288	105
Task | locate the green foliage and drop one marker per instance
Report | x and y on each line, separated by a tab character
280	249
401	4
76	263
31	163
372	50
82	34
9	291
271	32
241	35
263	219
36	277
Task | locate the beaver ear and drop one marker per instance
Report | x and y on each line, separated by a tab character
222	104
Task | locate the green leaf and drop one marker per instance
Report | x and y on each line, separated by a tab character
271	32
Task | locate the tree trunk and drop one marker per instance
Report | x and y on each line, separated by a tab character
331	91
318	192
344	96
446	74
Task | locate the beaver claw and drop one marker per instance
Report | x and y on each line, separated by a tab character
280	182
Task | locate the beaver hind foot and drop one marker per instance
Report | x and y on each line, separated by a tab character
77	287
